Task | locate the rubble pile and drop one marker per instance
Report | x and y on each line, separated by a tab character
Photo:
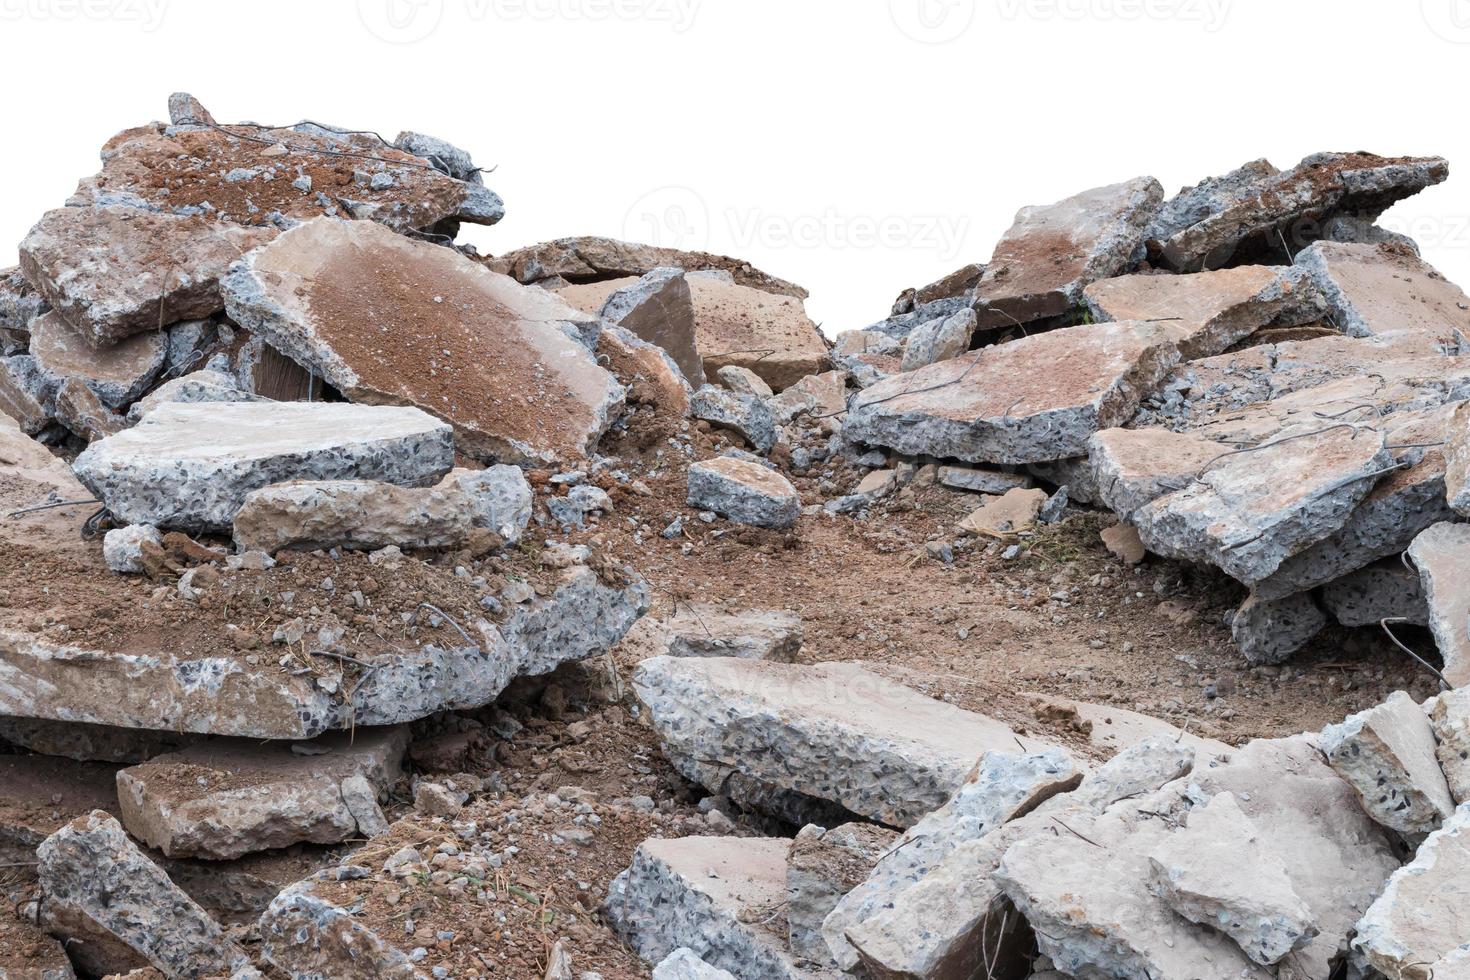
370	607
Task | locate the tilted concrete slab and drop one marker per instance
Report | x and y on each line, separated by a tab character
1386	290
118	374
769	334
1387	754
1442	555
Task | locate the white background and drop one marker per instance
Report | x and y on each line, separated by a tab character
855	147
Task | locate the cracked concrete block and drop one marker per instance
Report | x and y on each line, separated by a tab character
226	798
1210	196
469	346
122	548
190	467
1037	399
1450	717
306	935
682	964
27	393
744	381
995	482
118	373
1132	468
1005	516
1052	252
1220	871
836	732
939	340
20	304
659	309
744	492
748	416
1386	590
821	396
1440	553
1382	290
1269	631
742	325
1387	754
648	372
821	867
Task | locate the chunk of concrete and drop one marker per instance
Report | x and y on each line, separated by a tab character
746	415
1450	717
744	381
1457	460
1209	312
682	964
122	548
1251	217
835	732
79	409
1417	928
1247	512
118	374
1210	196
1005	516
1269	631
1053	252
821	396
659	310
190	467
769	334
1385	591
112	272
93	875
388	320
500	499
27	393
1032	400
957	284
194	388
20	304
1123	543
306	934
720	897
711	631
1387	754
939	340
744	492
1219	871
1385	290
648	372
226	798
823	866
995	482
1439	554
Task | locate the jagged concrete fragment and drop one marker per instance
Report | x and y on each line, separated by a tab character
91	743
957	284
1451	719
225	798
445	156
1210	196
26	393
1440	553
742	325
112	272
1132	468
306	935
1208	312
1248	512
119	373
374	314
682	964
1385	290
592	259
744	381
20	304
122	548
1269	631
744	492
1220	871
659	310
190	467
710	631
1005	516
821	396
823	866
1053	252
1386	590
832	731
93	875
1256	216
719	897
939	340
647	371
981	481
217	692
78	408
1037	399
1457	460
500	498
1387	754
199	386
746	415
1420	926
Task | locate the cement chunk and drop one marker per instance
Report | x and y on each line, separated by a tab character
1269	631
682	964
1371	595
306	935
118	374
1052	252
122	548
832	731
193	388
939	340
1385	290
744	326
1451	720
744	492
190	467
1387	754
755	634
659	309
1132	468
982	481
1033	400
822	867
1440	553
746	415
329	294
744	381
20	304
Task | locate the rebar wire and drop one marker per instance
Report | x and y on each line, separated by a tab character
448	618
1444	684
40	507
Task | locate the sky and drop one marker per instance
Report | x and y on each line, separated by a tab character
855	147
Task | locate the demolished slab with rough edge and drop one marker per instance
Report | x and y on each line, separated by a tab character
1386	290
1383	591
1388	755
1132	468
390	321
1442	556
744	492
1033	400
710	631
1450	716
190	467
767	333
1269	631
118	374
1052	252
659	310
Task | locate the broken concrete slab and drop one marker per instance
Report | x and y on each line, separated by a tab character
1132	468
1123	543
219	692
744	492
20	304
1209	312
769	334
91	874
122	548
1439	554
682	964
1220	871
190	467
1210	196
79	409
1254	217
1247	512
995	482
1387	754
118	374
1005	516
821	867
703	630
957	284
1450	717
226	798
307	935
938	340
659	310
1053	252
1033	400
374	313
720	897
821	396
112	272
1383	591
1457	460
205	385
746	415
1269	631
592	259
836	732
1418	927
1385	290
27	393
647	371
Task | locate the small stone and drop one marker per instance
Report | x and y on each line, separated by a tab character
744	492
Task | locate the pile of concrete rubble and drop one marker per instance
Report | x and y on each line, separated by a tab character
241	344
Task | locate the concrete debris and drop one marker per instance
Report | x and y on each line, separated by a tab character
1439	554
1385	591
748	416
1006	516
1385	290
306	935
122	548
1451	719
702	630
744	381
648	372
1053	252
835	732
939	340
768	333
819	396
1124	544
957	284
659	310
1269	631
1210	196
118	375
206	385
682	964
20	304
470	346
744	492
78	408
821	867
1388	755
977	480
